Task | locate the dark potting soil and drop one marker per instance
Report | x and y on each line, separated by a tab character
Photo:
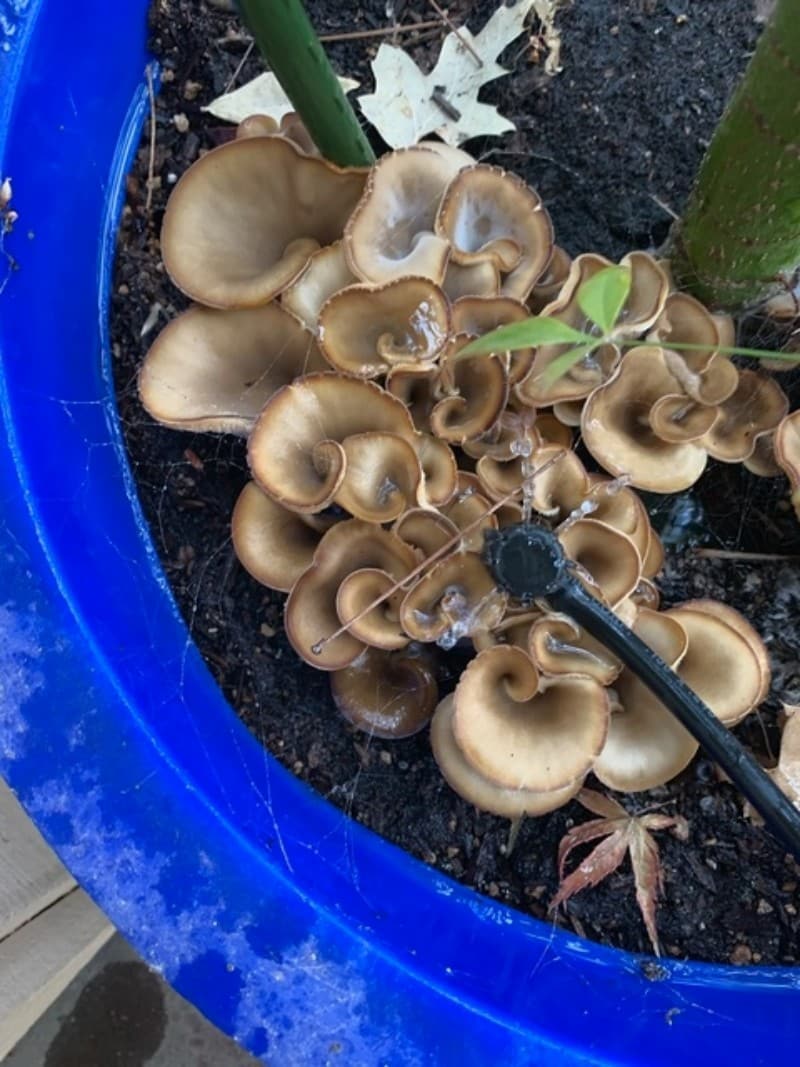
612	144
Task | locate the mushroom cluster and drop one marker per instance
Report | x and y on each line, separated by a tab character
332	307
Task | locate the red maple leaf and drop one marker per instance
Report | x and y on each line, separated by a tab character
623	833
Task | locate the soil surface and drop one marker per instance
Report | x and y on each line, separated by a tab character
612	144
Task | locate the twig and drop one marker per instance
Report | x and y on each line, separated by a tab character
721	553
451	26
238	71
151	159
385	31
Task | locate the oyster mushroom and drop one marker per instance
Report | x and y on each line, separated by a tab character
477	315
550	283
243	221
325	274
520	731
391	231
311	614
608	558
364	330
474	392
787	453
757	406
471	279
455	598
215	370
274	545
787	773
388	695
559	646
617	431
480	791
297	450
489	214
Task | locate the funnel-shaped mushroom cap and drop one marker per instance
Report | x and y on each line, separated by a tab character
787	774
477	790
326	273
787	453
475	391
215	370
456	598
378	626
617	432
609	558
295	450
646	744
244	219
415	387
723	629
611	501
427	531
522	732
390	233
477	315
469	510
275	545
559	646
647	297
471	279
488	214
685	320
549	285
439	468
677	418
389	695
258	126
762	462
383	476
562	484
365	329
757	406
311	614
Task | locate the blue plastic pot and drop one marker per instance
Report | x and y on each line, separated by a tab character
306	937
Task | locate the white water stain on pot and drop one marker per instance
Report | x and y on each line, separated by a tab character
19	678
304	1008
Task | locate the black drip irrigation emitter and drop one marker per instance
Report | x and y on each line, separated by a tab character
527	561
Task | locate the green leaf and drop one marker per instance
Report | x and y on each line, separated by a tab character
563	363
525	334
603	297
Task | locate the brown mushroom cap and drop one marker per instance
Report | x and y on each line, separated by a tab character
415	386
275	545
325	273
616	427
471	279
427	531
724	615
646	744
469	510
757	406
366	329
473	787
787	453
474	392
787	774
559	646
488	213
550	283
390	232
379	626
383	476
388	695
647	297
439	468
562	485
215	370
608	556
295	450
677	418
477	315
455	598
763	462
522	732
258	126
685	320
311	615
244	219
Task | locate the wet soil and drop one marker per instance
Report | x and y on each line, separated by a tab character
612	144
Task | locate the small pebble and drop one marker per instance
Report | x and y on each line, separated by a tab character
181	122
741	954
386	757
764	907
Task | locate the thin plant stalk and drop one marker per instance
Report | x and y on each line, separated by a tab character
292	49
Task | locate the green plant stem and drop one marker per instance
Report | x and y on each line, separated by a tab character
289	44
740	234
731	350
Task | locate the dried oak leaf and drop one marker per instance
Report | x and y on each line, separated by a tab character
261	96
403	109
623	833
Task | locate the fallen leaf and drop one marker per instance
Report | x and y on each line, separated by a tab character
623	833
402	108
261	96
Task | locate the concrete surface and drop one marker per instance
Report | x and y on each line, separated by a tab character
117	1013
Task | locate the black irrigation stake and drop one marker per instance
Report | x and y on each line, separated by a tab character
528	562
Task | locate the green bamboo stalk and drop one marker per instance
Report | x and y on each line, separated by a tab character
740	233
289	44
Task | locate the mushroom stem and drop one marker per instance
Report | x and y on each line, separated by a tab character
291	47
528	562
